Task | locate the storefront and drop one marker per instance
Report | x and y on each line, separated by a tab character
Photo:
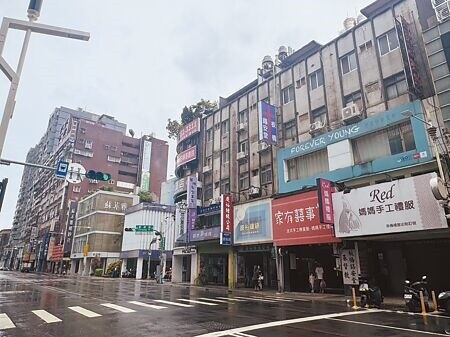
213	262
399	231
305	245
253	243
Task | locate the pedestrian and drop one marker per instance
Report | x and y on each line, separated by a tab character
322	285
319	277
256	277
312	280
260	279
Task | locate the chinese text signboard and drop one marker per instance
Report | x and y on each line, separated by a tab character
397	206
226	219
192	201
325	201
349	265
186	156
189	130
204	234
70	227
267	123
253	223
296	221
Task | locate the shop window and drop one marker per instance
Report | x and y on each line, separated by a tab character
387	42
316	79
395	86
290	129
348	63
308	165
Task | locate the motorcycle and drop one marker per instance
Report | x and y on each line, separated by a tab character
370	296
444	301
411	294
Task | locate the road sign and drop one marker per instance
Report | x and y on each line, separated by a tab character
143	228
61	169
75	173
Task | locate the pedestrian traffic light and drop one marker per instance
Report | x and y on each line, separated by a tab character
91	174
3	184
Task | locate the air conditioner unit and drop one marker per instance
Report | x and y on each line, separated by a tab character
253	191
263	146
442	10
351	112
206	168
316	126
242	126
241	155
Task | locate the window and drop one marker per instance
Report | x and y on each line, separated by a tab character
354	98
88	144
128	174
225	186
225	156
308	165
319	115
301	82
243	116
208	194
288	94
387	42
365	46
266	174
395	86
394	140
225	126
243	146
114	159
208	161
209	134
76	189
348	63
315	80
244	180
83	153
290	129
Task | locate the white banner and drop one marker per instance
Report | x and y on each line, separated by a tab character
397	206
349	265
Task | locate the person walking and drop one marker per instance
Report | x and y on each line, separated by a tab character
319	278
312	280
255	277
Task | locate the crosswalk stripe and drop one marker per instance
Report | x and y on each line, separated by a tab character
146	305
197	302
274	299
241	334
5	322
174	303
213	300
231	299
46	316
84	312
255	299
118	307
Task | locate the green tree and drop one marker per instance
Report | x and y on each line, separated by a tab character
146	196
173	128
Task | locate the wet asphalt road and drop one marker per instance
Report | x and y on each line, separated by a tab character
49	306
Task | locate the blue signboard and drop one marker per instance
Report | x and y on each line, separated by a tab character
253	222
209	209
225	239
267	123
212	233
61	169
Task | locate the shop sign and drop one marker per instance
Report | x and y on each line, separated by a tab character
57	253
226	219
267	123
189	130
207	210
180	186
70	226
192	218
349	265
325	201
205	234
253	222
397	206
192	191
296	221
186	156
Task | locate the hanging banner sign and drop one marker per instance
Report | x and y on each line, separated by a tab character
189	130
267	120
325	201
349	265
226	219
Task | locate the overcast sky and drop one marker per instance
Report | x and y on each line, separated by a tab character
147	59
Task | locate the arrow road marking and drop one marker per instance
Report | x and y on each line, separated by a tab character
118	307
46	316
198	302
5	322
84	312
174	303
146	305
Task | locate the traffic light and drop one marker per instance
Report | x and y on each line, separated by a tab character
94	175
128	229
2	191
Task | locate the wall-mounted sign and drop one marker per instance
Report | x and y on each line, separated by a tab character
253	222
226	219
267	121
398	206
186	156
212	233
325	189
208	210
296	221
349	265
180	186
192	191
70	227
189	130
145	171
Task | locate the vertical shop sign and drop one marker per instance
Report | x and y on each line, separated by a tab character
325	201
349	265
267	123
226	219
192	201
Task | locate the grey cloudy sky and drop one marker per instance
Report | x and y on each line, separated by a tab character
147	59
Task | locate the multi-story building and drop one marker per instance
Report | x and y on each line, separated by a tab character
354	111
97	142
4	251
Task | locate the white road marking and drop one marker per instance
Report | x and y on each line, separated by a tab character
255	299
389	327
213	300
285	322
146	305
118	307
5	322
197	302
230	299
174	303
13	292
272	299
84	312
46	316
240	334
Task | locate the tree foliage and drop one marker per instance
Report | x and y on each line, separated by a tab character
188	115
146	196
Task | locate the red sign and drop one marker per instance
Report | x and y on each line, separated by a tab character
186	156
189	130
227	218
325	201
57	253
296	221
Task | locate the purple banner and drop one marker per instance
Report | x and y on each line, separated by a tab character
268	123
192	218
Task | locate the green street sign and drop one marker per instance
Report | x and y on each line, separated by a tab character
143	228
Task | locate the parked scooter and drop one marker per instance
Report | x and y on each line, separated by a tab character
370	296
444	301
411	294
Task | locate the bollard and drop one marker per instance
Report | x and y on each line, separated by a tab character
422	303
435	305
354	298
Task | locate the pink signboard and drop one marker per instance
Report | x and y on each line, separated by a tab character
325	201
189	130
186	156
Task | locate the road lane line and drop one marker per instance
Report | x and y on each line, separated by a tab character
255	299
240	334
389	327
174	303
230	299
285	322
213	300
84	312
275	299
197	302
46	316
146	305
5	322
118	307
